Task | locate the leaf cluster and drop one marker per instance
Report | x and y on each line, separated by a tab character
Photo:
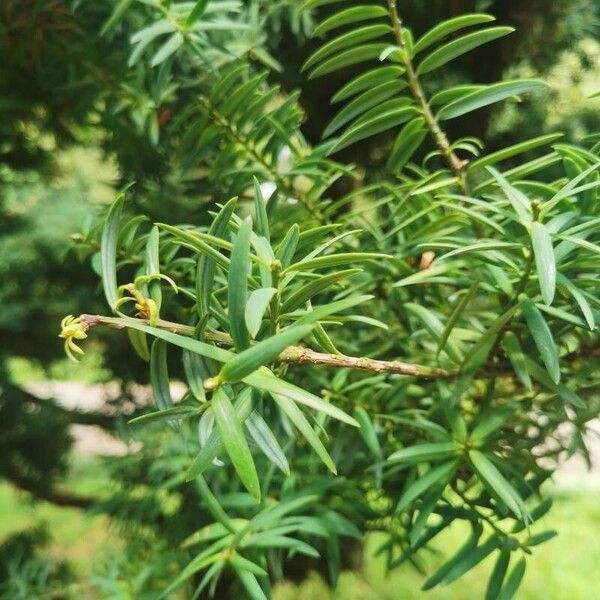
482	276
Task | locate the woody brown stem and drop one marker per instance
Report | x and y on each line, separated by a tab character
302	355
441	141
293	354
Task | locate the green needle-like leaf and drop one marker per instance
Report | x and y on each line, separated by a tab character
256	306
237	289
295	415
460	46
267	442
436	475
544	260
514	352
513	581
488	95
424	453
234	441
108	249
542	336
348	16
264	380
248	361
159	375
205	270
445	28
495	482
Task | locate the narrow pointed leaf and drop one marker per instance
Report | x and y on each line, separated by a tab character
267	442
287	248
295	415
514	150
321	312
168	48
482	348
424	453
194	374
517	198
497	577
260	211
426	508
570	188
269	540
513	581
234	441
196	242
472	559
367	81
265	380
237	288
250	584
489	95
351	38
208	350
140	343
407	143
367	431
464	550
542	336
196	12
256	306
456	314
514	352
152	265
108	249
435	327
205	273
348	16
445	28
495	482
118	13
359	105
377	124
159	376
581	300
248	361
243	564
544	260
213	445
436	475
460	46
167	413
312	288
562	391
346	58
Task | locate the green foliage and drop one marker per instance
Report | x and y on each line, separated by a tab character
421	329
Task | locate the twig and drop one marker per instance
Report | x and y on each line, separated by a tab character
293	354
281	181
441	141
302	355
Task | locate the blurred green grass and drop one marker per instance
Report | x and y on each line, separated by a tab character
76	536
564	568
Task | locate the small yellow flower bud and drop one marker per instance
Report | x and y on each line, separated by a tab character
72	328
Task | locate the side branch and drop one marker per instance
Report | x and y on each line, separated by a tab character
283	183
293	354
441	141
302	355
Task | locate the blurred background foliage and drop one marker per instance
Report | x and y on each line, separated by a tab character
78	121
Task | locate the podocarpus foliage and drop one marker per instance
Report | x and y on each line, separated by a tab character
390	360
